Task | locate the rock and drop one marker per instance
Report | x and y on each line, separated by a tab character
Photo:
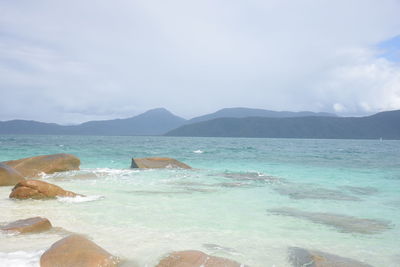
9	176
31	167
77	251
38	190
154	163
300	257
30	225
343	223
194	258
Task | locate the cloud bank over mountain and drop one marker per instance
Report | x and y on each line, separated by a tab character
75	61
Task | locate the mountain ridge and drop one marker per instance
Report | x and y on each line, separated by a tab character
381	125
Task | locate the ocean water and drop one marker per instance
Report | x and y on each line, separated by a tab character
245	199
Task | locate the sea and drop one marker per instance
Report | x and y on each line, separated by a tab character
249	200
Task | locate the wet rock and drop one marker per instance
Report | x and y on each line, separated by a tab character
9	176
77	251
32	167
30	225
299	191
39	190
343	223
194	258
155	163
300	257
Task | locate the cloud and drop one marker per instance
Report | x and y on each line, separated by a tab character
82	60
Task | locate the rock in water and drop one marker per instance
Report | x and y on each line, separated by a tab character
77	251
194	258
343	223
31	167
300	257
153	163
38	190
30	225
9	176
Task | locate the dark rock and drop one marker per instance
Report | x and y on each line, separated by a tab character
9	176
300	257
32	167
39	190
77	251
30	225
155	163
344	223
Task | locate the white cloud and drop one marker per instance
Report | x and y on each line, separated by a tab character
79	60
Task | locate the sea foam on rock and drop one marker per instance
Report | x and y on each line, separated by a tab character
38	190
77	251
300	257
156	162
33	166
195	258
30	225
9	176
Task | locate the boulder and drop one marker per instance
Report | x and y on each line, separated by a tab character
30	225
155	163
31	167
9	176
195	258
38	190
77	251
300	257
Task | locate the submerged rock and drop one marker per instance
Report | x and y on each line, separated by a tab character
31	167
38	190
300	191
359	190
195	258
30	225
9	176
77	251
300	257
344	223
155	163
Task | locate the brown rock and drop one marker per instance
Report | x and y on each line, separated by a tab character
154	163
9	176
195	258
31	167
38	190
30	225
299	257
77	251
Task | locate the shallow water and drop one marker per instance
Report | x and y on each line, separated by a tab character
338	196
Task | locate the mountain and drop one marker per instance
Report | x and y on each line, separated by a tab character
384	125
252	112
153	122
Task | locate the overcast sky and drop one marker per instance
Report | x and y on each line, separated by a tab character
73	61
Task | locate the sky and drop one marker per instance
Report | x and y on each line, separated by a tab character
74	61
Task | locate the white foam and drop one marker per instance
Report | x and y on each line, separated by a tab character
21	258
198	151
79	199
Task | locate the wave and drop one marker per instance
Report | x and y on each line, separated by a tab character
79	199
21	258
198	151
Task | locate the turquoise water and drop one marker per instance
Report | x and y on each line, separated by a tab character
245	199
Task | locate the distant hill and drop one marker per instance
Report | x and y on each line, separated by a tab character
153	122
252	112
384	125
